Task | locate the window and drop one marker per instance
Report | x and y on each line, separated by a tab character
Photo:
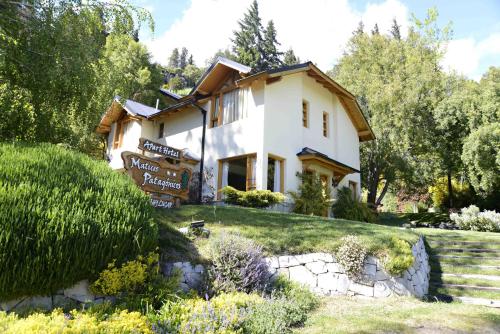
118	130
325	124
354	189
305	114
214	119
238	172
162	128
229	107
275	174
121	129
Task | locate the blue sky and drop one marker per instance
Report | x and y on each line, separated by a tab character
204	26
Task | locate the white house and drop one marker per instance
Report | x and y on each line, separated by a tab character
261	129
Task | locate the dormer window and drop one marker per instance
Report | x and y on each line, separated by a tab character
228	107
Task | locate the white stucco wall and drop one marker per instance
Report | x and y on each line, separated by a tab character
129	143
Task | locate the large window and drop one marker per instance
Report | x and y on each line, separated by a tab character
229	107
275	174
238	172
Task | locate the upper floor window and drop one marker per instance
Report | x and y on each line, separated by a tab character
161	130
305	114
121	128
325	124
229	107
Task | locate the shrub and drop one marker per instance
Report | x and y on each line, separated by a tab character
348	207
138	283
312	197
472	219
351	255
237	264
400	257
462	194
74	323
65	216
252	198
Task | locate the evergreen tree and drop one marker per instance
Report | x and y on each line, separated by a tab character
395	32
375	30
190	60
290	58
360	29
183	58
173	61
248	41
271	55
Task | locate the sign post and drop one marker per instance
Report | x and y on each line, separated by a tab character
157	176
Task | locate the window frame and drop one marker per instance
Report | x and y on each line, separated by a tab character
282	170
305	114
326	124
249	175
161	130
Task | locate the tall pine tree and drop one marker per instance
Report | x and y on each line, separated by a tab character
271	55
183	58
290	58
173	61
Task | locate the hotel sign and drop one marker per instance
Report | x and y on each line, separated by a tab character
163	150
165	203
156	176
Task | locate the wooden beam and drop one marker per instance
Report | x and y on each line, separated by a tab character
273	80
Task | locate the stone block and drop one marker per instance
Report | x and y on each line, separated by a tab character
325	257
44	302
361	289
334	268
381	275
288	261
370	269
11	304
177	265
327	281
382	289
80	292
184	287
305	258
199	268
284	272
193	280
371	260
316	267
272	262
399	287
302	275
343	283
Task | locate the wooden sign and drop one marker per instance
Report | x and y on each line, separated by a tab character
164	203
157	176
165	151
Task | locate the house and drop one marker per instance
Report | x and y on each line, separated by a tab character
261	129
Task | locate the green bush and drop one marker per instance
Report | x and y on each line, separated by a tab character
348	207
252	198
64	217
237	264
471	218
462	194
312	197
351	255
399	257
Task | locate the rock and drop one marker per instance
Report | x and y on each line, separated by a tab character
325	257
288	261
184	287
334	268
327	281
303	276
419	292
370	269
199	269
342	283
381	290
284	272
272	262
361	289
44	302
305	258
11	304
184	230
371	260
316	267
193	280
177	265
399	287
381	275
80	292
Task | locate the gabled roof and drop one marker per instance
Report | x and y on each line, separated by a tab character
114	112
170	94
310	154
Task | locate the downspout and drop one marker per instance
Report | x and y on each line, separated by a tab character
202	159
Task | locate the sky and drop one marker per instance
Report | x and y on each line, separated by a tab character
318	30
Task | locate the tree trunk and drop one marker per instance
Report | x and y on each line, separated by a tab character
450	190
373	187
382	194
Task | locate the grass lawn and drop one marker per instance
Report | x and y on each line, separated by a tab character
278	233
399	315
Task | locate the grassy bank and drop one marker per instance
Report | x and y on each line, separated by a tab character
278	233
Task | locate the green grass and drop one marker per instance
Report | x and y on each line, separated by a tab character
399	315
495	295
419	219
466	281
278	233
450	268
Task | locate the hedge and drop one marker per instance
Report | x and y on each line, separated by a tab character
64	217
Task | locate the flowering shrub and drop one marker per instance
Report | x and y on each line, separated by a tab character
471	218
351	255
237	264
74	322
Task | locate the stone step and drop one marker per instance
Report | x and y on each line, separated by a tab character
467	250
463	286
469	276
465	257
468	300
464	243
477	266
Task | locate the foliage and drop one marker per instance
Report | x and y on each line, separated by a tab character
255	46
481	156
348	207
74	323
290	58
222	314
57	65
312	197
351	255
400	257
252	198
237	264
471	218
55	205
462	194
17	118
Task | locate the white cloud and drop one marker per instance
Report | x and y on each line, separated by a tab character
465	55
316	29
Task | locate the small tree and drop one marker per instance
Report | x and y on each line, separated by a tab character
312	197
